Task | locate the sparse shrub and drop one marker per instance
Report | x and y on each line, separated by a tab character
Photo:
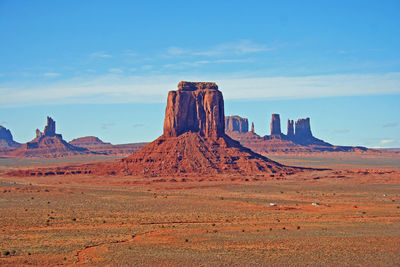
298	227
25	261
243	230
5	253
270	229
74	219
186	240
104	221
65	258
283	228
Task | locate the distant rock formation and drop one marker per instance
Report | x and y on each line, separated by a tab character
195	107
48	144
290	130
50	128
303	135
88	141
252	127
275	125
236	124
299	139
6	139
96	145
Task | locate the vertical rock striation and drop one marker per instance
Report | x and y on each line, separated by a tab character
275	125
236	124
290	129
195	107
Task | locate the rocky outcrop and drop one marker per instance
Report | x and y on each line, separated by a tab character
303	135
50	129
275	125
6	139
290	129
252	127
48	144
195	107
236	124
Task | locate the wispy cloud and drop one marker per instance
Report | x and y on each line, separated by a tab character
120	88
105	126
241	47
51	74
390	124
185	64
100	54
341	131
138	125
387	141
115	70
130	53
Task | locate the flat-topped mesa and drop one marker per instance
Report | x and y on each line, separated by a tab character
195	107
193	86
290	129
236	124
50	128
276	125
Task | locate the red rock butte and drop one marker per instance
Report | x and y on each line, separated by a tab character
194	140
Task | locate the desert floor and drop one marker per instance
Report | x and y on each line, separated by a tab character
214	221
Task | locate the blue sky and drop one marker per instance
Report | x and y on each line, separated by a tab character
104	68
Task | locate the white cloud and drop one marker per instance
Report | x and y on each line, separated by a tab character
51	74
130	53
100	54
241	47
118	88
387	141
115	70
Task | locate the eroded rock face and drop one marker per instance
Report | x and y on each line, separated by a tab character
236	124
195	107
275	124
252	127
6	139
290	129
50	128
303	129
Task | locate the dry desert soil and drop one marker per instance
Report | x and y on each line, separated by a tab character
346	216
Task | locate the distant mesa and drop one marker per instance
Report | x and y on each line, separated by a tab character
96	145
298	138
6	139
48	144
236	124
88	141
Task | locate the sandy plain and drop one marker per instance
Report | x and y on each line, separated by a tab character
205	221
